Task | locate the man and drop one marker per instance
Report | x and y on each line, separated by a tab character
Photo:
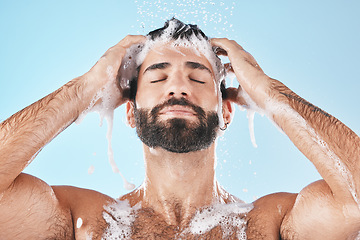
176	110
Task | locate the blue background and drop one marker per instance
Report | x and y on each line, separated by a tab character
311	46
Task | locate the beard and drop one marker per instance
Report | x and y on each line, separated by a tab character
177	135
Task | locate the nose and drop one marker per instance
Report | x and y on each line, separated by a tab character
178	86
176	94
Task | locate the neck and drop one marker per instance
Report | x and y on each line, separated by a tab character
177	184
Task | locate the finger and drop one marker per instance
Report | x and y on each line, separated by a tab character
241	101
219	43
225	44
228	67
119	49
219	51
232	94
130	40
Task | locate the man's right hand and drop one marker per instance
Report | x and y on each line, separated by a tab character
24	199
25	133
107	68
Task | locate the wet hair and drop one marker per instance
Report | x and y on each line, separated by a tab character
181	31
177	31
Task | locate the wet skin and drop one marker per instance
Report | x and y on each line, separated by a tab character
45	212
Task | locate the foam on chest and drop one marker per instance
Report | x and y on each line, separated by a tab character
220	220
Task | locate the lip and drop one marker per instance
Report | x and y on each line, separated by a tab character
177	111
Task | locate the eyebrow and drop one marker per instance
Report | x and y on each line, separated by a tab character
155	66
196	65
192	65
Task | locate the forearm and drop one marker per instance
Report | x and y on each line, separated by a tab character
331	146
26	132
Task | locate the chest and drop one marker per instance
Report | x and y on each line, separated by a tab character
145	224
153	227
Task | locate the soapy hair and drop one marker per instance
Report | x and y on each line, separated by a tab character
180	30
181	34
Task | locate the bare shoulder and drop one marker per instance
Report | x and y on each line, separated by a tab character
30	210
87	209
315	209
265	219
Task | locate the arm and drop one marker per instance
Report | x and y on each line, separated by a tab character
26	132
25	200
331	146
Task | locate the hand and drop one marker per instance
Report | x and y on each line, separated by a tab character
250	76
234	95
106	70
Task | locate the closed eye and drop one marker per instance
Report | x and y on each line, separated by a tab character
160	80
194	80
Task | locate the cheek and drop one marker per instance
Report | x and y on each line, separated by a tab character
142	95
147	97
212	98
208	101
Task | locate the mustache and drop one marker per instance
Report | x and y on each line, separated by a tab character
177	101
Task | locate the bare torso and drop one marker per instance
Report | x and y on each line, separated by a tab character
73	213
126	219
272	217
31	209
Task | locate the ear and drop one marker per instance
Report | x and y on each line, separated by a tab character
130	116
227	110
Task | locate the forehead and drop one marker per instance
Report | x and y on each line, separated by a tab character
174	55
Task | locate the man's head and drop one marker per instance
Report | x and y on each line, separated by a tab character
177	104
176	33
